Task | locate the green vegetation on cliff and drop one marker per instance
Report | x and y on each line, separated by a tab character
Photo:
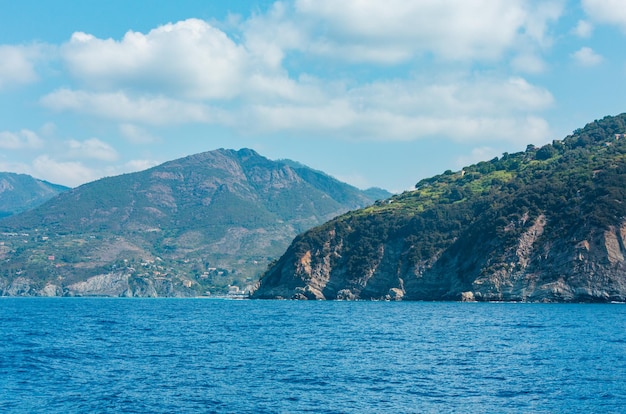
506	229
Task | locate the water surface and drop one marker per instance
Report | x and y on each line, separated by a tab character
197	355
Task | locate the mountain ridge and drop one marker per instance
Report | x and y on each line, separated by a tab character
191	225
20	192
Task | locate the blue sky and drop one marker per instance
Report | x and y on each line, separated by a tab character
374	93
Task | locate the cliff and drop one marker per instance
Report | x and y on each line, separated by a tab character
544	225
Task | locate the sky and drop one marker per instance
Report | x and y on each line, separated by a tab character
373	93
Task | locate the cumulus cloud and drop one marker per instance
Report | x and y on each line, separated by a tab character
136	134
192	72
155	110
606	11
268	36
528	63
397	30
583	29
190	59
92	148
465	109
24	139
585	56
139	165
15	166
70	173
385	125
17	64
127	167
73	173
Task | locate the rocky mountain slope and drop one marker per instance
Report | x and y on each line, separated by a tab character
20	192
547	224
207	222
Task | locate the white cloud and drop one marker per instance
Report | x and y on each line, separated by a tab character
583	29
344	122
268	36
92	148
186	61
528	63
585	56
49	129
136	135
332	115
139	165
192	72
464	109
70	173
396	30
119	106
17	64
24	139
189	59
15	166
127	167
606	11
457	128
538	16
74	173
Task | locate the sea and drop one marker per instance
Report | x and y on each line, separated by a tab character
103	355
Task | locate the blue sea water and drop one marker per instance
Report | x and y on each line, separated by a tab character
78	355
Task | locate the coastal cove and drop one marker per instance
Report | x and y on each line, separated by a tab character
164	355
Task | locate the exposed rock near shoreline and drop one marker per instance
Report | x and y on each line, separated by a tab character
544	225
108	285
591	270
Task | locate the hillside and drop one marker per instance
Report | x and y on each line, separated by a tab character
547	224
192	225
20	192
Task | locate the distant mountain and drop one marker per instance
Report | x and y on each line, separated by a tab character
377	193
547	224
20	192
373	193
207	222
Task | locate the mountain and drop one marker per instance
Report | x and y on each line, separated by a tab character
206	222
20	192
544	225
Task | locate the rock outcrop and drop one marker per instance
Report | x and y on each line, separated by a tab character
587	267
544	225
114	284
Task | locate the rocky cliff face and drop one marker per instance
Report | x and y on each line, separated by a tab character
545	225
536	267
114	284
